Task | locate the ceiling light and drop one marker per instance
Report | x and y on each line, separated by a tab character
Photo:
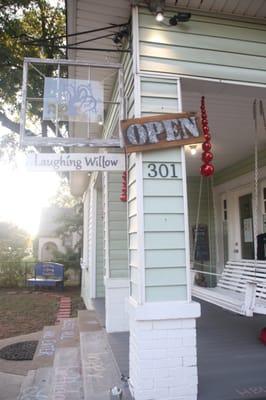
159	16
193	149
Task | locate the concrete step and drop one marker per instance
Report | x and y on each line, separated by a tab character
67	380
44	354
87	321
36	385
99	368
69	333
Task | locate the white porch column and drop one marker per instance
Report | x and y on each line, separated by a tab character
163	357
115	255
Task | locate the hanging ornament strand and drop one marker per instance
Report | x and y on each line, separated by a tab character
207	169
123	195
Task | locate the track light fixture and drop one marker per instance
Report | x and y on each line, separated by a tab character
179	17
119	36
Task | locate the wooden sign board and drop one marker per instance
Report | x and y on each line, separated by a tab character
161	131
76	162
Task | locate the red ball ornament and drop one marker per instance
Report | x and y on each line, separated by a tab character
206	146
207	169
205	129
207	137
123	197
207	157
204	121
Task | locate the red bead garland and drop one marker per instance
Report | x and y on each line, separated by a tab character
123	195
207	169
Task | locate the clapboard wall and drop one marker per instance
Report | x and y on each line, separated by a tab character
208	47
99	246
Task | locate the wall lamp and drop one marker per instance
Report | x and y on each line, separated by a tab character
179	17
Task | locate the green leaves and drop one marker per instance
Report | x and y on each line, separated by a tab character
28	28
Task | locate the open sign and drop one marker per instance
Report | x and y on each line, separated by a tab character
161	131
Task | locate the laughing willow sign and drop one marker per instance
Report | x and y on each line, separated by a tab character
76	162
161	131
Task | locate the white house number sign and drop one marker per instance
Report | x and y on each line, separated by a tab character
161	131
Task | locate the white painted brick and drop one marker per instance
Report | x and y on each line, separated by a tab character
189	340
161	372
189	361
163	382
144	394
163	360
147	384
161	334
159	354
172	362
188	323
183	380
174	342
168	324
145	325
162	393
183	390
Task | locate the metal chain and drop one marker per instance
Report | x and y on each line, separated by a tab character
197	220
256	179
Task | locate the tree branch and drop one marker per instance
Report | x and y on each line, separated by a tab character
13	126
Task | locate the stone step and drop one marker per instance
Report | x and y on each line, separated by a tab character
67	380
27	383
99	368
36	385
69	333
87	321
44	354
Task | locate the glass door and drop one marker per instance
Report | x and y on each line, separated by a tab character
246	226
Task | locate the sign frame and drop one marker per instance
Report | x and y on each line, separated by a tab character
163	142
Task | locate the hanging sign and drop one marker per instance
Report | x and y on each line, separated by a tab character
161	131
76	162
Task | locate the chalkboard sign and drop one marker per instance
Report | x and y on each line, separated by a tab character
201	237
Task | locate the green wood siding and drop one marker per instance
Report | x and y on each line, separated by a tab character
117	228
100	292
164	231
85	289
208	47
133	227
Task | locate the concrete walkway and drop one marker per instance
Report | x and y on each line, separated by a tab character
12	373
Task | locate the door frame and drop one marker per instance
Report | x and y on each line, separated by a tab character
229	191
235	226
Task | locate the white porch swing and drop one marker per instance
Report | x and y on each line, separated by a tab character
241	287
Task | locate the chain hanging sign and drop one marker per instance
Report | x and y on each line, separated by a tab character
76	162
161	131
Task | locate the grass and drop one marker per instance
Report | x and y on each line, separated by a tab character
26	311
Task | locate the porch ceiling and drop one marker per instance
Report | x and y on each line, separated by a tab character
230	115
95	14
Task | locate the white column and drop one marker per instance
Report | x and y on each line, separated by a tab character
116	255
163	353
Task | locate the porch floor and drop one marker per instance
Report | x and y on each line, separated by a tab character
231	360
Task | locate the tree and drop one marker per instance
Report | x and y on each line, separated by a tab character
14	242
71	223
28	28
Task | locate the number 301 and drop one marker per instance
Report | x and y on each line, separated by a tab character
162	170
